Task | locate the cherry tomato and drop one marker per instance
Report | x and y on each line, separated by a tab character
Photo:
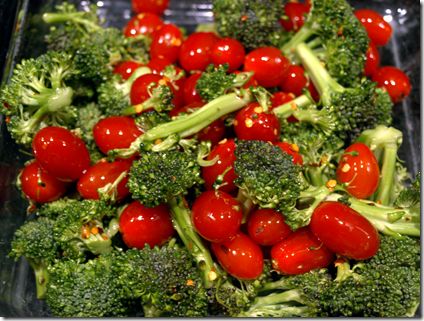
373	59
166	43
61	153
157	65
140	225
144	23
296	79
126	68
268	64
253	123
196	50
294	16
266	227
140	88
361	172
40	186
279	98
394	80
344	231
212	132
190	91
228	50
216	216
240	257
225	152
252	81
300	253
156	6
101	174
378	30
291	149
116	132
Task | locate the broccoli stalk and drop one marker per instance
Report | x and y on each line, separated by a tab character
384	142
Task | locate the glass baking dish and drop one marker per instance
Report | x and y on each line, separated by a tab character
23	32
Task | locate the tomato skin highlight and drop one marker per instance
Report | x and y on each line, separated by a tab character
225	152
139	89
362	171
196	50
294	255
240	257
378	30
156	6
373	59
145	23
288	148
394	80
295	80
228	50
266	227
51	189
166	43
140	225
216	216
61	153
126	68
344	231
295	12
101	174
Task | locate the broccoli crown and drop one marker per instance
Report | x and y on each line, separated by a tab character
267	175
411	196
151	119
214	82
250	22
53	209
386	285
87	290
80	229
155	175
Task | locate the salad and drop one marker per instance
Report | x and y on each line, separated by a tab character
247	169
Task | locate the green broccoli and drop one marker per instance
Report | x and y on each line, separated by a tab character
53	209
37	96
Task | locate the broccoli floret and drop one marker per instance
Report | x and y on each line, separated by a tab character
53	209
37	96
336	37
35	240
114	94
88	290
411	196
81	228
151	119
344	111
386	285
384	142
250	22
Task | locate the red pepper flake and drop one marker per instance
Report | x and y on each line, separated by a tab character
244	18
407	219
7	120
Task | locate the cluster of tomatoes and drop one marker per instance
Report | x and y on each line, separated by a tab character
62	159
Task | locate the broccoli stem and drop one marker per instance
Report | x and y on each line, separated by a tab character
181	220
76	17
387	172
286	110
387	220
278	298
302	35
42	276
97	244
314	174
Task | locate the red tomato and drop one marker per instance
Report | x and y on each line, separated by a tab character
253	123
268	64
267	227
61	153
294	13
212	132
252	81
344	231
378	30
361	172
296	79
225	152
101	174
157	65
279	98
116	132
240	257
126	68
228	50
166	43
140	225
40	186
300	253
216	216
190	91
394	80
139	89
143	24
196	50
373	59
155	6
291	150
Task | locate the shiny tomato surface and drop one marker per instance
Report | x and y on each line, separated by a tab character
291	150
61	153
240	257
126	68
344	231
196	50
394	80
378	30
166	43
156	6
144	23
228	50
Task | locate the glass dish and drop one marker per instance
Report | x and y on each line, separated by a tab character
21	23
